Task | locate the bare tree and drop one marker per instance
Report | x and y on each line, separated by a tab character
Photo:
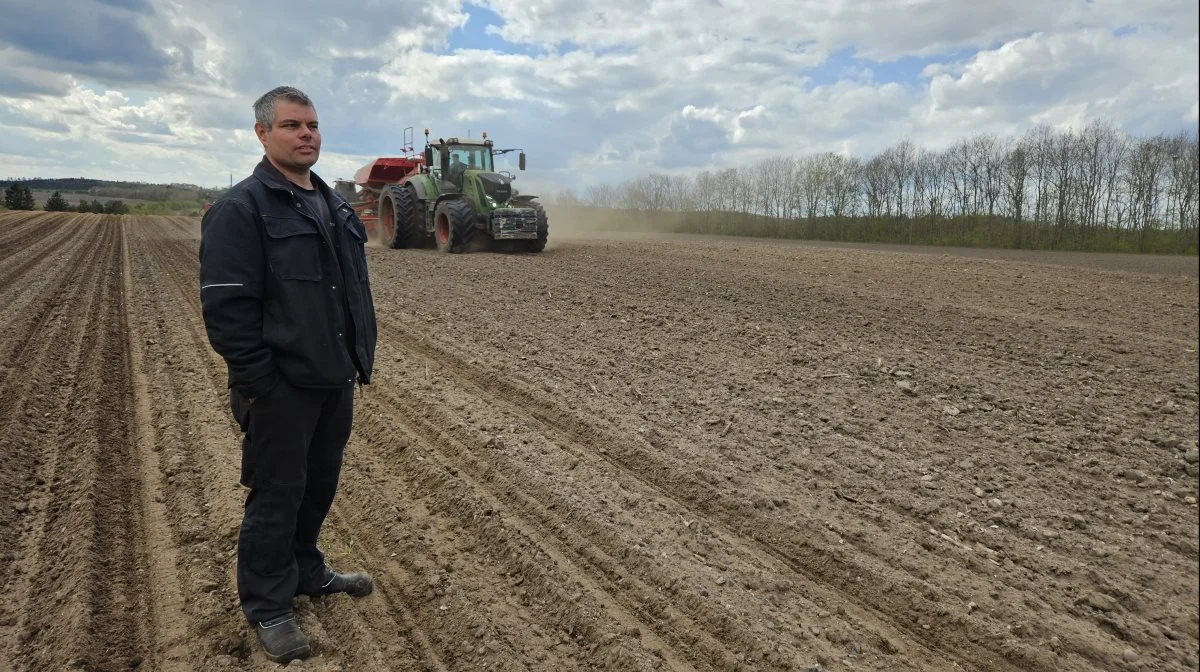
1145	177
900	160
812	187
1040	141
1113	153
844	194
876	185
1016	184
1183	152
1063	166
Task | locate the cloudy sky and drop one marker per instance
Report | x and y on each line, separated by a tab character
160	90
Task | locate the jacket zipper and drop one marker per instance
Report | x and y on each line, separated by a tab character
333	252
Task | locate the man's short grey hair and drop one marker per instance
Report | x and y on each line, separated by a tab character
264	107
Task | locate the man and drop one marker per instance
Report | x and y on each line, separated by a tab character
287	304
457	169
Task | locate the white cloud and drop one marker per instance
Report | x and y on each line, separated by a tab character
593	92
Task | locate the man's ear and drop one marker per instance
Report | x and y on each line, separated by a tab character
261	132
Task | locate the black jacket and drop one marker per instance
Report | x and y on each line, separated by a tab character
280	294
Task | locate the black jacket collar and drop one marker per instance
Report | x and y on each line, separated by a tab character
269	175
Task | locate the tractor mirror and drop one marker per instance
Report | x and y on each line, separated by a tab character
521	160
428	158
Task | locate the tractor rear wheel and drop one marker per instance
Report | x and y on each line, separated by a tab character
399	217
543	229
452	226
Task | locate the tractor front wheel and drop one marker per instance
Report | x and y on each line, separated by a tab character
452	226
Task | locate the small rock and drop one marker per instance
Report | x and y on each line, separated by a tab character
950	410
720	580
78	662
906	386
21	507
971	606
1136	475
978	492
1189	499
994	503
1129	655
927	477
1192	456
1049	534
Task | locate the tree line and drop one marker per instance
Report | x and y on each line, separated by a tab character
1095	188
116	189
19	197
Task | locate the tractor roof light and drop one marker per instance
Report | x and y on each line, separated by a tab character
485	135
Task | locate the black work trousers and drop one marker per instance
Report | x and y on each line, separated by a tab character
291	460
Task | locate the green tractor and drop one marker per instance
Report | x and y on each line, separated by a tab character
452	197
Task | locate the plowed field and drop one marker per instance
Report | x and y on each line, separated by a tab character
623	454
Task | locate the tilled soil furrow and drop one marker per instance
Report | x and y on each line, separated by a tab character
22	301
172	646
1045	538
906	611
33	421
44	303
82	577
197	503
918	332
343	634
550	596
16	229
28	253
601	556
119	585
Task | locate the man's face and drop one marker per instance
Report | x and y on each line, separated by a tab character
293	141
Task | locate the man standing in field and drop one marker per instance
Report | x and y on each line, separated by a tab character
287	304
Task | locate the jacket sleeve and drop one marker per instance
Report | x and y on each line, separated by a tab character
233	268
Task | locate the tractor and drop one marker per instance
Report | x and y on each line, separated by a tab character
450	197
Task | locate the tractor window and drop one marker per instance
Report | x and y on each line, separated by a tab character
474	157
436	165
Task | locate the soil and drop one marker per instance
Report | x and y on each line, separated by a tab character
624	453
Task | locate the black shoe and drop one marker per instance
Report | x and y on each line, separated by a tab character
282	639
354	584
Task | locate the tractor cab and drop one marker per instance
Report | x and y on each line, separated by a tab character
449	160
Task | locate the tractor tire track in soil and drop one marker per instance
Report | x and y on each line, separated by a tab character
626	453
889	621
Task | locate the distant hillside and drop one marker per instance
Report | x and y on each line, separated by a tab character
109	189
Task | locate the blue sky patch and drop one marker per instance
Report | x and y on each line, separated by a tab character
843	64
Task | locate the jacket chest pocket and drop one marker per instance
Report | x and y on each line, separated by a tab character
293	248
